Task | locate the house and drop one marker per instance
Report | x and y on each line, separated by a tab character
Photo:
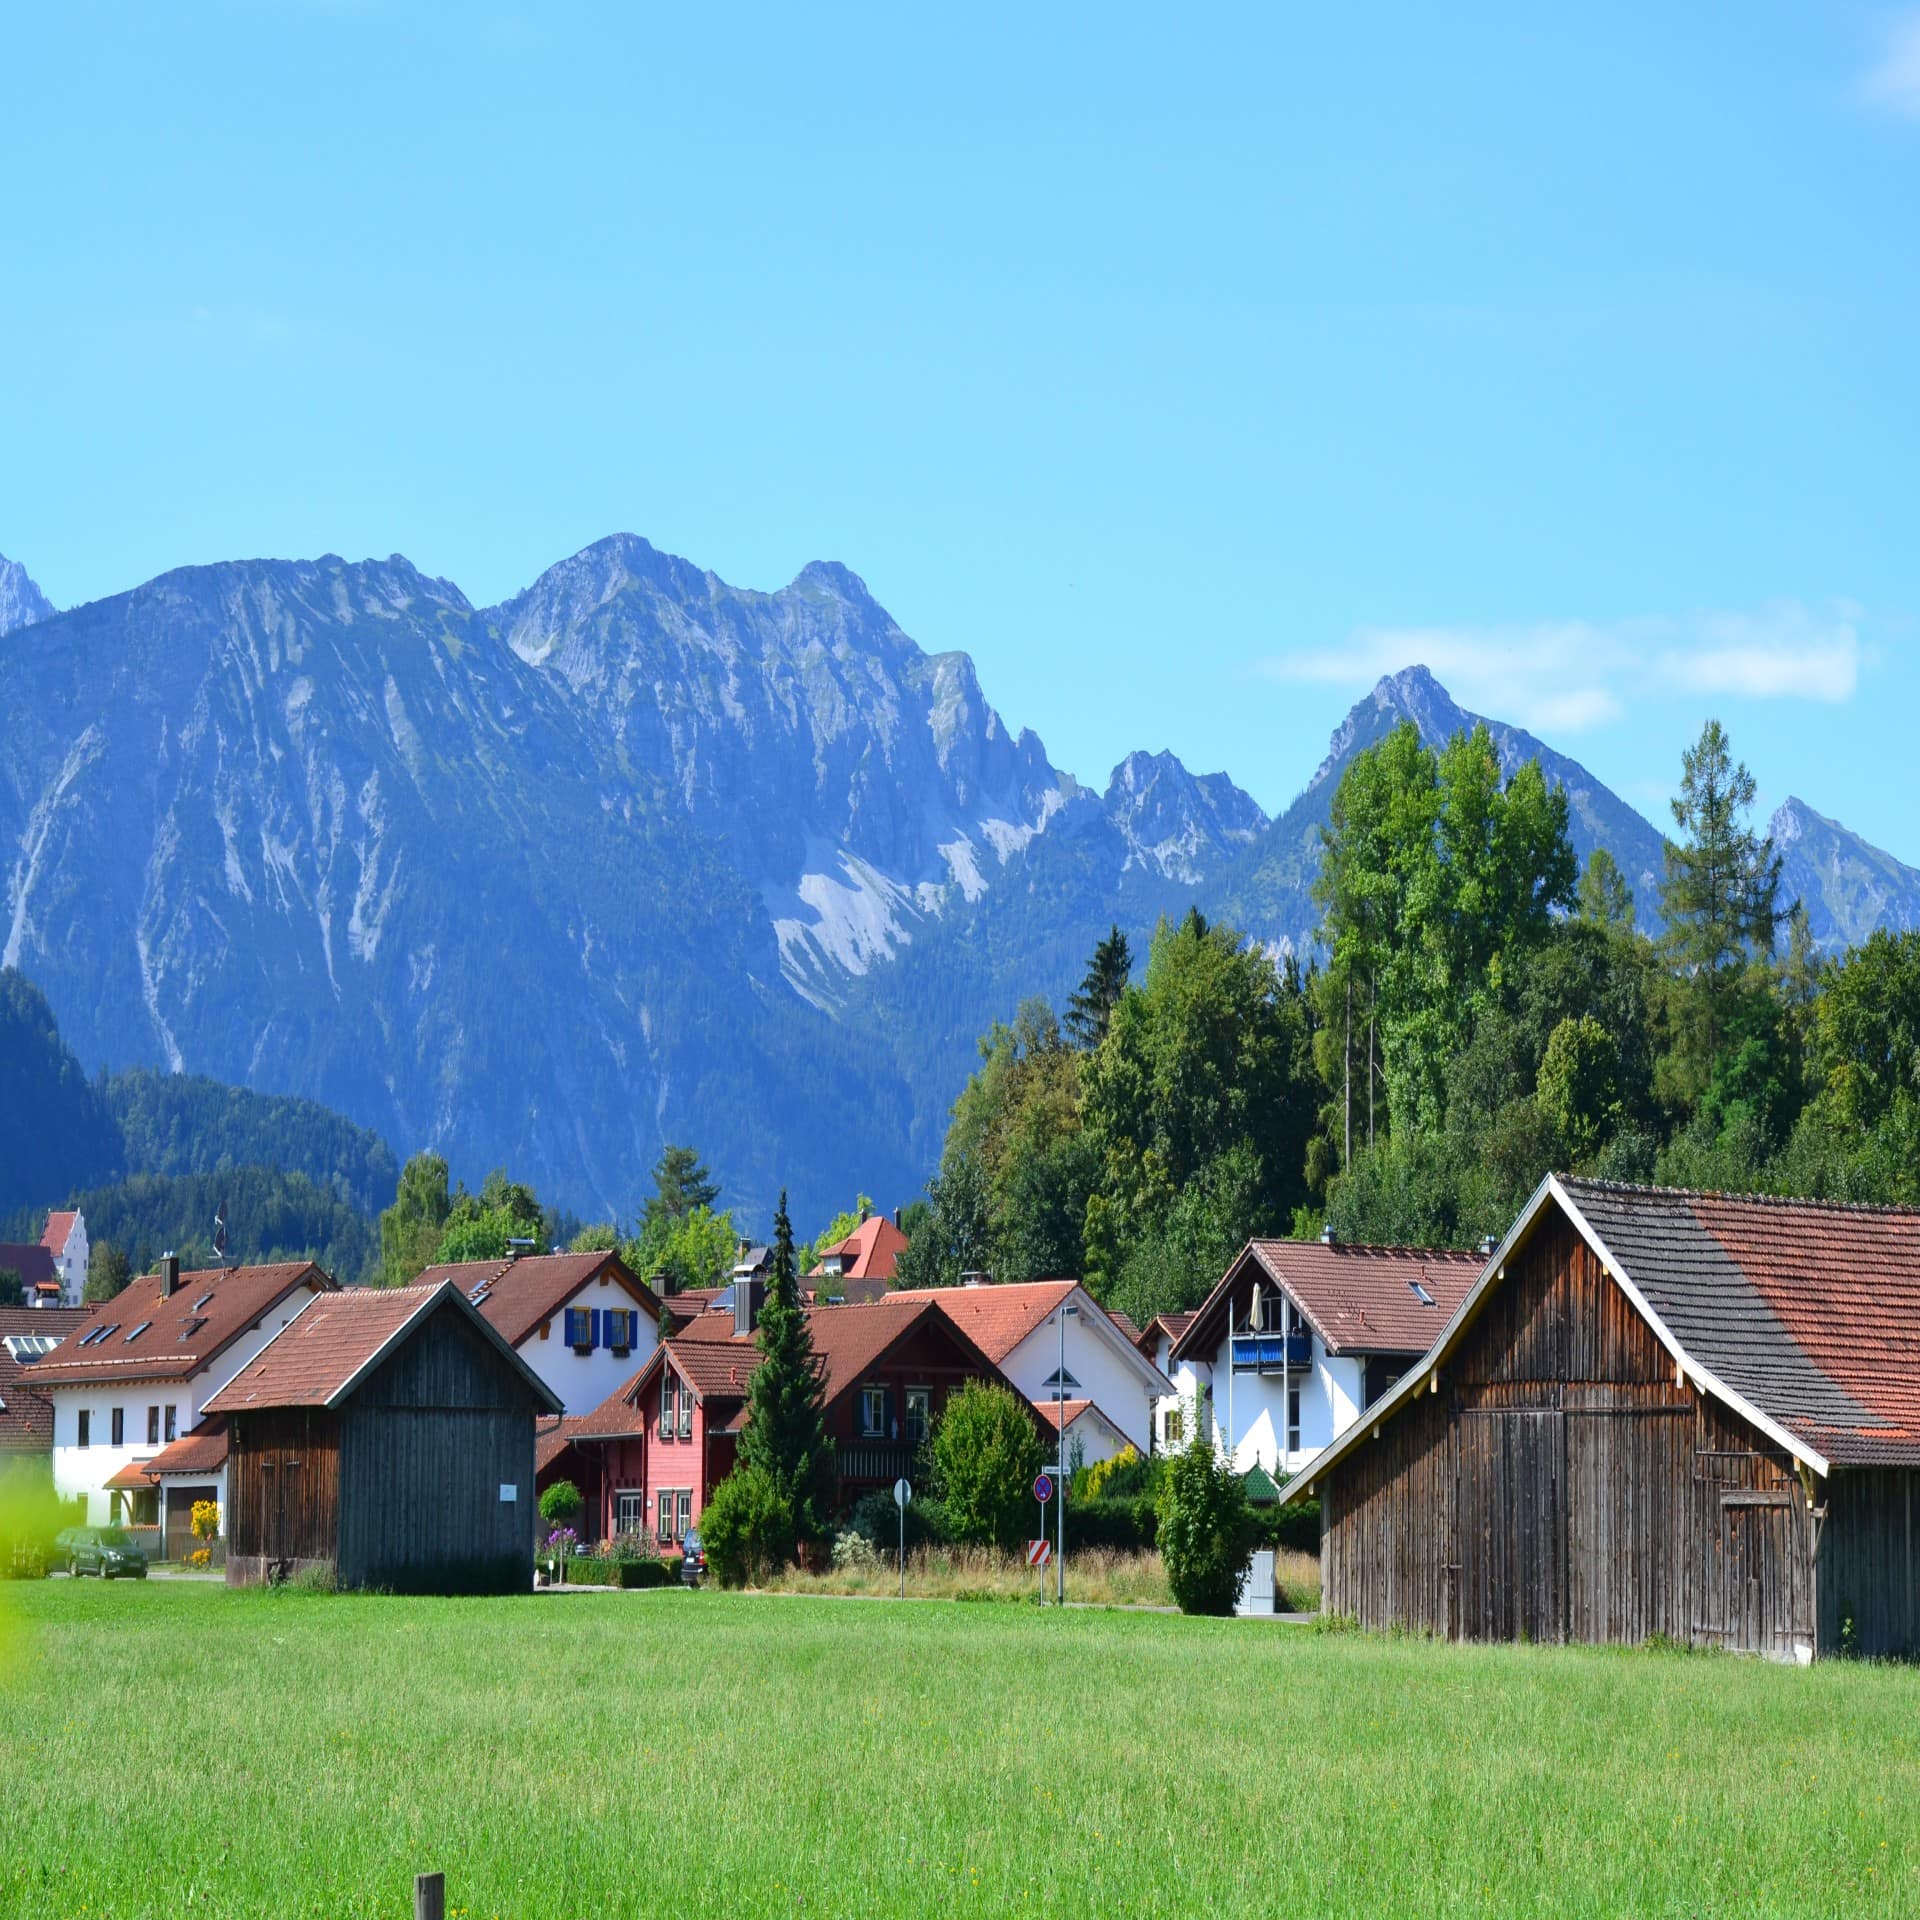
1655	1413
1090	1435
860	1268
139	1369
189	1470
27	1336
40	1281
385	1436
1017	1327
581	1321
65	1239
1319	1330
658	1448
1174	1409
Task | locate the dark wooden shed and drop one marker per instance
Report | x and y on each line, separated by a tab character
386	1436
1656	1413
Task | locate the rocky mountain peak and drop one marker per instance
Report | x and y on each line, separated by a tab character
21	602
1176	822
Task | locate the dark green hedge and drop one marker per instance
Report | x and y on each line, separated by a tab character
1125	1525
584	1570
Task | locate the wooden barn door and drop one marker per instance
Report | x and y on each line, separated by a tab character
1753	1585
1510	1509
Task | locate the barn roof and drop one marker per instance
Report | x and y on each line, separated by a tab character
1358	1299
517	1295
142	1334
1802	1316
333	1343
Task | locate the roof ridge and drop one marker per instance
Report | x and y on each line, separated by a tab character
1369	1246
1645	1190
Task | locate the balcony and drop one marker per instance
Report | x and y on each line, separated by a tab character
1272	1352
882	1461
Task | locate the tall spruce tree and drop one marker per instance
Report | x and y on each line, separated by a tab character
1090	1010
680	1183
1720	896
785	1435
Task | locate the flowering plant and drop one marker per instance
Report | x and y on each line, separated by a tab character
562	1540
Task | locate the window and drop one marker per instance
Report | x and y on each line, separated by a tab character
153	1427
686	1512
620	1329
1051	1385
1293	1419
1171	1427
172	1422
873	1411
201	1302
919	1413
580	1329
119	1426
1420	1293
675	1505
685	1428
86	1428
137	1332
669	1401
629	1511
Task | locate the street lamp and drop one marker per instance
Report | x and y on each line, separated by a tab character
1060	1512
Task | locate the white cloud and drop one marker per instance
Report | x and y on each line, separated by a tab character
1894	80
1569	676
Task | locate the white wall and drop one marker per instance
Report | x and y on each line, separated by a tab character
584	1380
1183	1400
1111	1372
86	1470
72	1264
1095	1437
1249	1418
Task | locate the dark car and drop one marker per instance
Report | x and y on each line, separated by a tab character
107	1551
693	1559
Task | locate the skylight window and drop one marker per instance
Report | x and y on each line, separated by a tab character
137	1332
201	1302
190	1327
1421	1294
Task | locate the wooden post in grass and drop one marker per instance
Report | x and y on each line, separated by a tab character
429	1896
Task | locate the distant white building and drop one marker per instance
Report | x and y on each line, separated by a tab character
1316	1331
66	1240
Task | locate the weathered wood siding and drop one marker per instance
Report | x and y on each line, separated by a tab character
283	1490
426	1444
1870	1563
1561	1486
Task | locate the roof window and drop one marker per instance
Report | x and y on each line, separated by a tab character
201	1302
1421	1294
188	1328
137	1332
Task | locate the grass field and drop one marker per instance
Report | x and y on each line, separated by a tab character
173	1748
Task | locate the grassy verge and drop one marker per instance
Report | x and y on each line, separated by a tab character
1097	1577
176	1748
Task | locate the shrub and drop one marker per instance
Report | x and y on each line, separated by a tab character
1206	1529
1123	1525
1296	1527
747	1527
598	1570
876	1520
1127	1473
851	1550
985	1456
560	1505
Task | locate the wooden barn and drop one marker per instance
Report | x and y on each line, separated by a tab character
1656	1413
387	1436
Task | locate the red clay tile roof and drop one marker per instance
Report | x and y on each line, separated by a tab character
59	1226
1050	1411
517	1295
323	1353
172	1339
995	1318
34	1264
870	1252
1809	1312
1125	1325
204	1450
551	1438
26	1415
1168	1326
135	1477
1357	1299
58	1321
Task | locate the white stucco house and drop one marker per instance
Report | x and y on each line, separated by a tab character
66	1240
1317	1331
581	1321
1018	1328
132	1377
1174	1410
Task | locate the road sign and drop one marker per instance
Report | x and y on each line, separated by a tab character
1039	1552
902	1492
1043	1489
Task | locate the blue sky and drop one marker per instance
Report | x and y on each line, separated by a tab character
1186	367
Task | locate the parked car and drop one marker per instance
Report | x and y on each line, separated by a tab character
693	1559
107	1551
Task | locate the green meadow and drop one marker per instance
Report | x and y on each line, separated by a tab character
173	1748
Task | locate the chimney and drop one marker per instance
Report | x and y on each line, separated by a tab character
749	1296
1328	1238
896	1221
976	1279
746	1247
518	1246
864	1211
169	1275
1487	1245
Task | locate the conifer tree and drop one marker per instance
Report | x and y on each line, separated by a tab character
785	1436
1090	1009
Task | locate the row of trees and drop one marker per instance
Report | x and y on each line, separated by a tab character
1481	1011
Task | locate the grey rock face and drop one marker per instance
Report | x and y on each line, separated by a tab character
21	602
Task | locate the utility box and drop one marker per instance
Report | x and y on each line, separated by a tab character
1256	1591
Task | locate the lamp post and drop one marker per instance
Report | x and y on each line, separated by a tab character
1060	1512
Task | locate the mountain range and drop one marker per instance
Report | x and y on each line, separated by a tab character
634	856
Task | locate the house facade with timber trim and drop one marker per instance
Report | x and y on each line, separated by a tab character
1655	1413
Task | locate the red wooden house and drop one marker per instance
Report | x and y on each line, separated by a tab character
650	1456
